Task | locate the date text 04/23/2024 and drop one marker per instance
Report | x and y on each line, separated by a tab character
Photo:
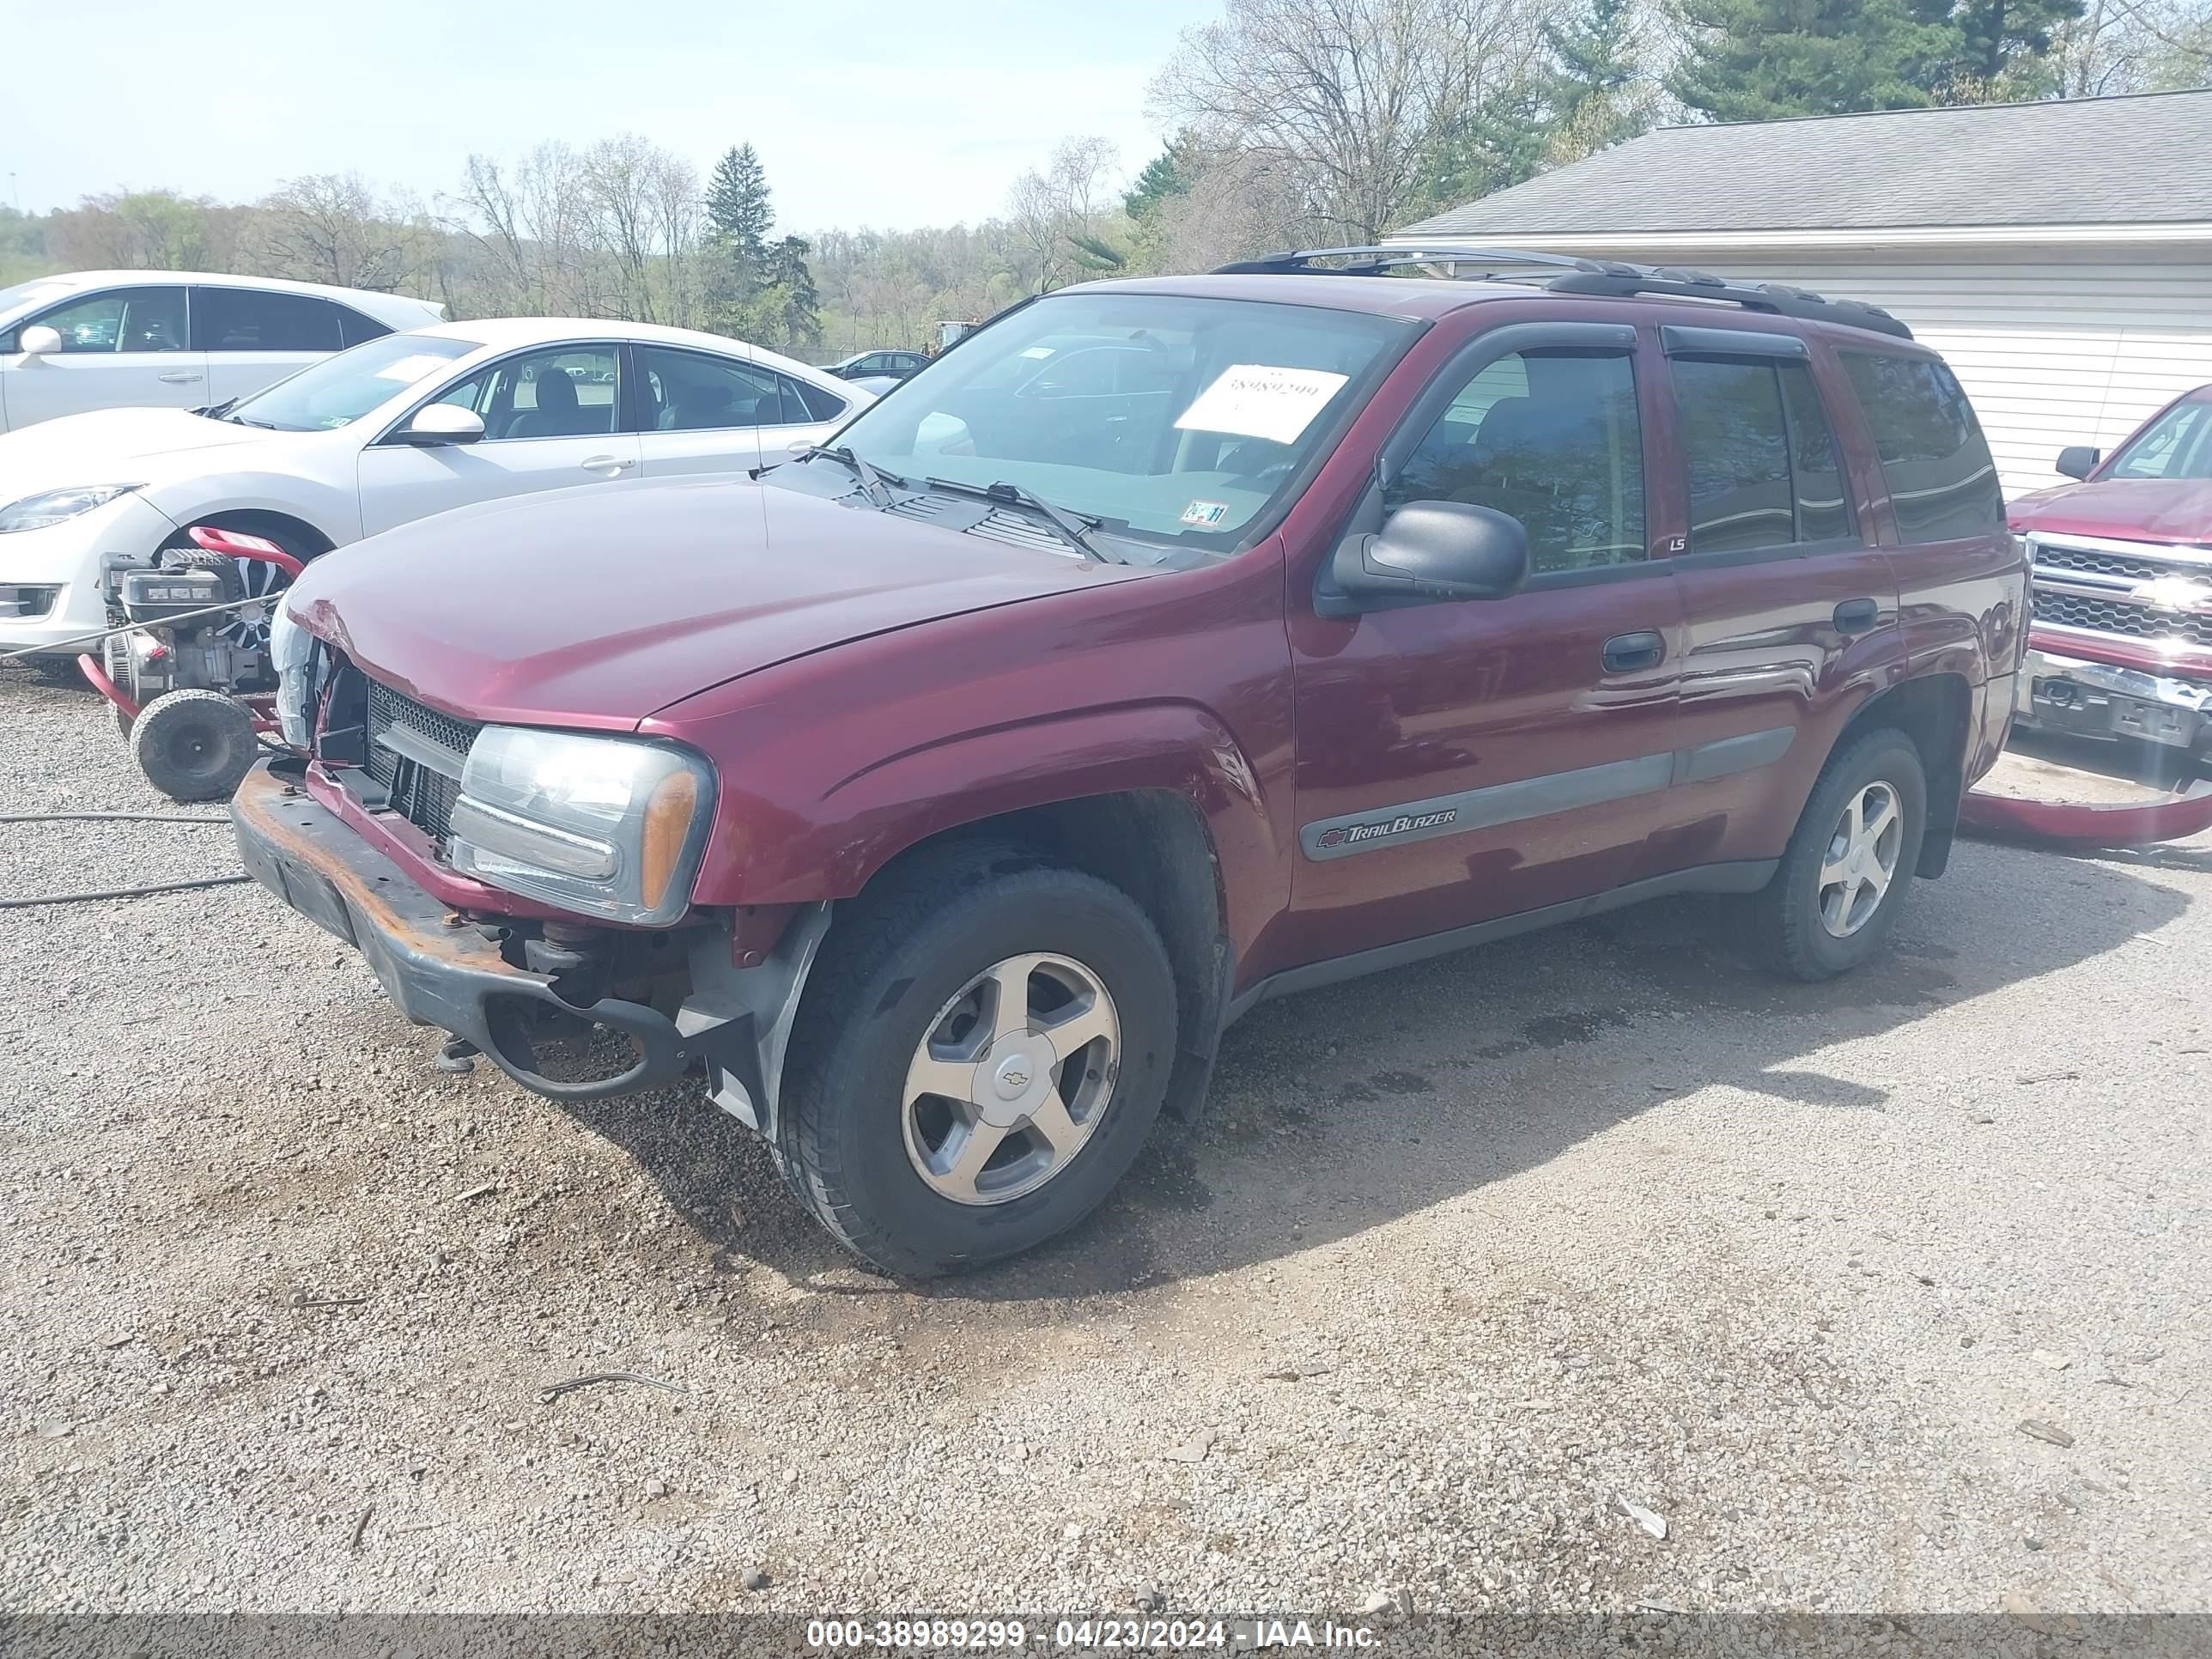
1101	1635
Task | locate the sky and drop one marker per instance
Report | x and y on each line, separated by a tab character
875	112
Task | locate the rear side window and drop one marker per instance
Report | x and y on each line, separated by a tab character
355	328
1943	483
1550	437
248	319
1762	457
821	405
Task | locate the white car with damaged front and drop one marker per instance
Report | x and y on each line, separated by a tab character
393	430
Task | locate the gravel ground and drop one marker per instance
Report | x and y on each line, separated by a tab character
1464	1256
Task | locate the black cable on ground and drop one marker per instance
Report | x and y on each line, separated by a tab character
104	818
119	892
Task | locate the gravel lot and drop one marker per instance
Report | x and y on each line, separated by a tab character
1464	1254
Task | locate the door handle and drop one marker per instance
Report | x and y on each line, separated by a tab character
1858	617
1626	653
178	377
607	464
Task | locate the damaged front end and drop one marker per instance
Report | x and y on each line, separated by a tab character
528	892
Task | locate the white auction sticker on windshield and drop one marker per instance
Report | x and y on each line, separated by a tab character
1258	400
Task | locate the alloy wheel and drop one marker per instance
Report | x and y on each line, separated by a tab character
1013	1077
1861	860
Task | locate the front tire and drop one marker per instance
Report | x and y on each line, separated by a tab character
980	1053
1832	904
194	745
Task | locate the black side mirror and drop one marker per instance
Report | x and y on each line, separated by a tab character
2079	460
1427	550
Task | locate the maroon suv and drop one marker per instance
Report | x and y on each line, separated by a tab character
2122	644
1168	646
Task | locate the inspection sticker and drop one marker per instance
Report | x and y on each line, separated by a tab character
1258	400
1206	514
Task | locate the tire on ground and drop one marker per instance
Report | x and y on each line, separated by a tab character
194	745
892	960
1787	929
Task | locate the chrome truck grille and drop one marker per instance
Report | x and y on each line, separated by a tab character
416	754
2136	591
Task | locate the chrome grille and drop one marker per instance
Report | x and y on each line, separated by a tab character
2057	556
416	754
2134	622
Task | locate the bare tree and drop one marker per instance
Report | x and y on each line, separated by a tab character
2135	45
331	227
1349	93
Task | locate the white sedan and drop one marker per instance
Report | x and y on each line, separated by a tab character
173	339
391	431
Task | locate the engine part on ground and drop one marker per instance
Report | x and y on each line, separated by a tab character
193	618
195	745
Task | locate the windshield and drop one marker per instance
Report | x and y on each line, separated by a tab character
22	294
1163	418
340	390
2177	445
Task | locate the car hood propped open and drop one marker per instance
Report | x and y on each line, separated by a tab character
601	605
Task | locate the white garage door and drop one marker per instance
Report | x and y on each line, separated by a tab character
2056	347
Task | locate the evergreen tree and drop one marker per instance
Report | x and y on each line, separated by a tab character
2004	49
1596	89
738	208
1766	60
1167	174
787	308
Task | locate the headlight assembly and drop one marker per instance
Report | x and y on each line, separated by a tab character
56	506
291	652
610	827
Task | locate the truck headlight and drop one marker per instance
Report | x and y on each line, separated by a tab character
290	649
609	826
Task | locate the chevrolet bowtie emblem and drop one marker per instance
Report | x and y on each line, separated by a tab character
2190	595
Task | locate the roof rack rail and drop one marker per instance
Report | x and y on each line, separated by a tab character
1366	261
1613	278
1774	297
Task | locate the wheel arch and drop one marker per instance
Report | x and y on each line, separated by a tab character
287	529
1156	846
1936	711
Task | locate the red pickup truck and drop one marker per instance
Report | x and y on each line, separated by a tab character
2122	641
944	792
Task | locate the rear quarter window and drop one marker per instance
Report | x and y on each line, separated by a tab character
1936	463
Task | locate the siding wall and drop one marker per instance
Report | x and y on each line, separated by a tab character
2055	345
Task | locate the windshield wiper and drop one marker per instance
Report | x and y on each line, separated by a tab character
873	484
1073	529
217	411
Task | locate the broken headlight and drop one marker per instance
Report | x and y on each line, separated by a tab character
291	653
610	827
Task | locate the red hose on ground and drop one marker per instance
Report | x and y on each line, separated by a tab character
89	665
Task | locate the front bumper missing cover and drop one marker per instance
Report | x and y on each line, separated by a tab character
439	974
2063	693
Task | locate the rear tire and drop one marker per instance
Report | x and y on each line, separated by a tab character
1843	881
194	745
908	980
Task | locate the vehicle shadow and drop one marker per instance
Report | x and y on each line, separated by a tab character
1347	1108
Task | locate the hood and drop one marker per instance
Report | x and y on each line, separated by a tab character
2125	509
115	445
601	605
